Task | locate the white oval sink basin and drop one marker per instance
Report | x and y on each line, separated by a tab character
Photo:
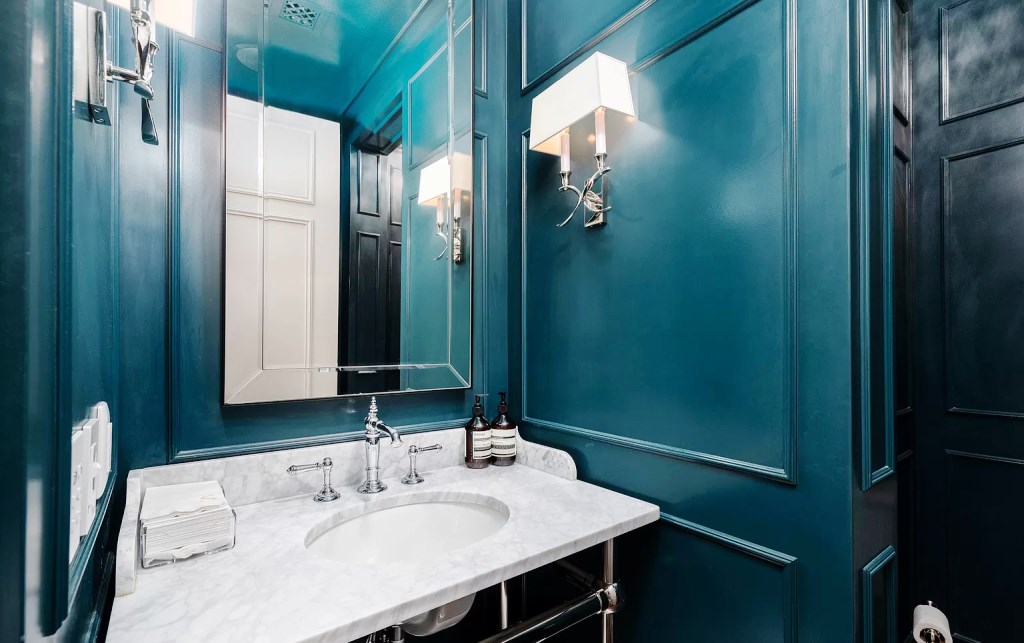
420	528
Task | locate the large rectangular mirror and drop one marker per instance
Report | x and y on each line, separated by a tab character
349	189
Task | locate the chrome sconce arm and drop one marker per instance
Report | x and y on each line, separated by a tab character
92	51
441	227
590	199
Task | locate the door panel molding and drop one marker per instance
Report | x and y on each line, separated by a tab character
869	153
883	563
948	115
947	197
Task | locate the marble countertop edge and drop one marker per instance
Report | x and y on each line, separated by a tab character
429	600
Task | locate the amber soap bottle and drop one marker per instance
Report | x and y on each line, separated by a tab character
478	438
503	436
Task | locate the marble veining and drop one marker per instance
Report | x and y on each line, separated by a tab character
127	537
260	477
270	588
553	461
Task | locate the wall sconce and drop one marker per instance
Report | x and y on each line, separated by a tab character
597	84
179	15
437	181
92	69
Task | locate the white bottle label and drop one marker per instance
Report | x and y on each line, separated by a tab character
481	445
503	443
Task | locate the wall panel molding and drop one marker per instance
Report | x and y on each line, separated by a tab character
869	153
528	84
712	24
785	470
949	115
481	25
784	563
883	563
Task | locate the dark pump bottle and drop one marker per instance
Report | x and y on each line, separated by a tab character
503	436
478	438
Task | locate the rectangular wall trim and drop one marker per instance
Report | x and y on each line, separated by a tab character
786	471
529	84
785	563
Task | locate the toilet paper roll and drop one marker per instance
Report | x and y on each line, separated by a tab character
928	621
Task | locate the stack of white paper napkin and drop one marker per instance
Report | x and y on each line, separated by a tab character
182	520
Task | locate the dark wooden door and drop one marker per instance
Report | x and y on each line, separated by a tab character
968	111
375	270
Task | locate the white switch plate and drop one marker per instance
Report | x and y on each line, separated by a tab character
83	457
80	446
101	438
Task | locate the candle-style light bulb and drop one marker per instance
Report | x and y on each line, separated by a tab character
601	143
564	141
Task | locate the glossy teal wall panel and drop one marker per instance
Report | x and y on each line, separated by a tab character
90	317
750	588
60	324
33	197
142	271
696	352
713	247
553	31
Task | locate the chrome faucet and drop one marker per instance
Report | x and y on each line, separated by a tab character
374	429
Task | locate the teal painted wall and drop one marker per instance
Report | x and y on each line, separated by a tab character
699	351
63	311
32	195
117	297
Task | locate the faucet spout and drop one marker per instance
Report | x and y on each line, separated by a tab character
396	439
374	429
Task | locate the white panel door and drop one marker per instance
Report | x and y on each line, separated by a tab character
282	254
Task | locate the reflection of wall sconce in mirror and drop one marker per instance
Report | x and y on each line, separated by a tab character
597	84
92	69
437	181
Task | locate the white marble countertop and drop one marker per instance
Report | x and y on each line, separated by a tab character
270	588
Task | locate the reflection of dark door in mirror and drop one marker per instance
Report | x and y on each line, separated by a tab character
374	265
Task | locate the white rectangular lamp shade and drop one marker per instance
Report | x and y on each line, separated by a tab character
179	15
441	177
434	181
598	82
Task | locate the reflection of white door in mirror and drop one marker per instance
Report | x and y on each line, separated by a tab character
281	255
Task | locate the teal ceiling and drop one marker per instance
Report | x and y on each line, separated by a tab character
318	54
